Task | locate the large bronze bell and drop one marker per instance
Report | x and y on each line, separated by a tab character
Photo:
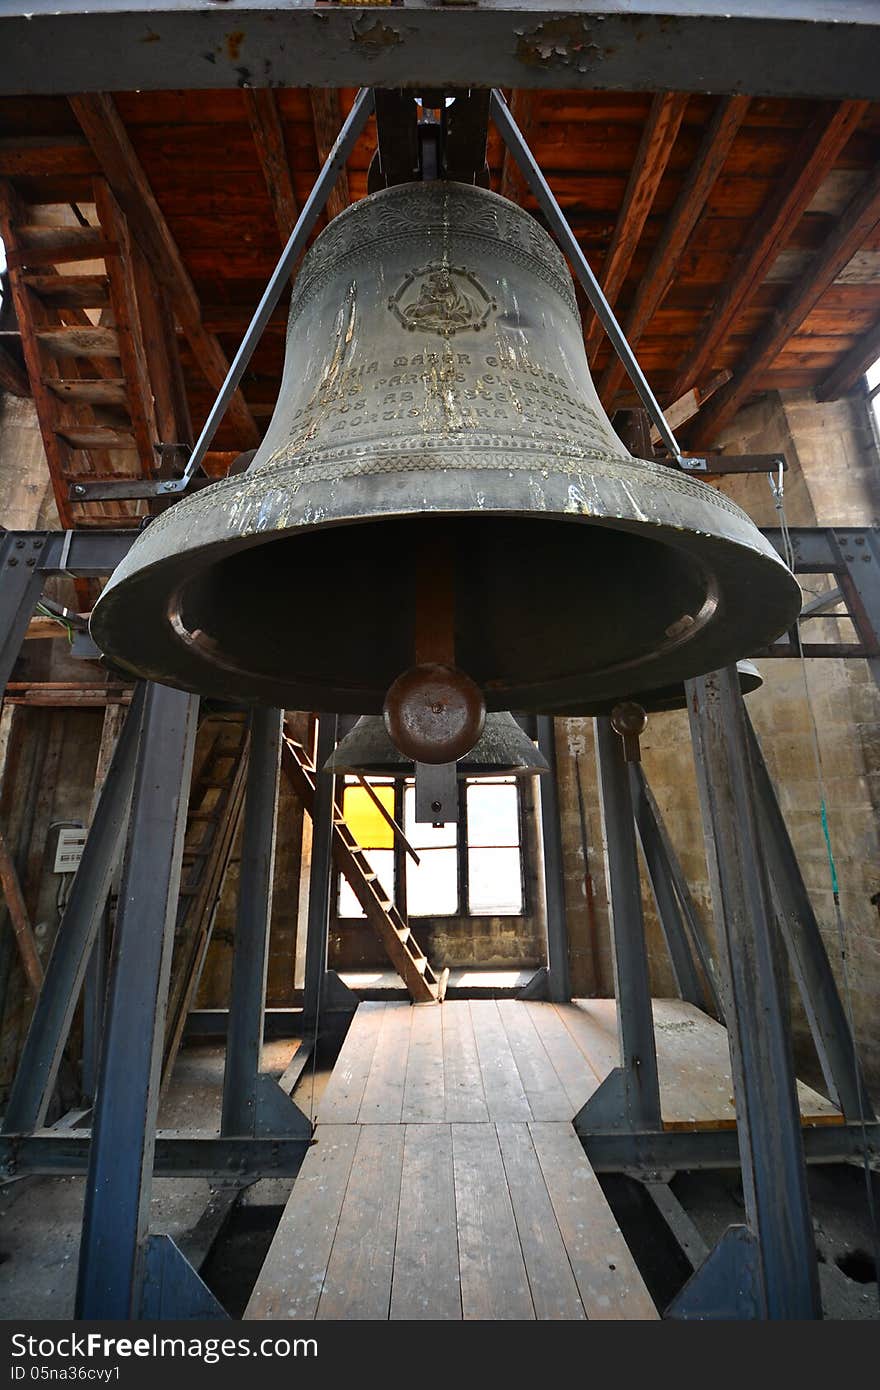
502	750
435	372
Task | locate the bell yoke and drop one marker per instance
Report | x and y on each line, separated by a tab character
437	426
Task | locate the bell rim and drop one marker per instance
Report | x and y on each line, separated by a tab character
164	556
402	767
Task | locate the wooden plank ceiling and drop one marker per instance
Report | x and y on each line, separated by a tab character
733	234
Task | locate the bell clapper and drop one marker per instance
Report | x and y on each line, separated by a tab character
434	713
630	721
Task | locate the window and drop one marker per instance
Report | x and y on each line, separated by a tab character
373	834
470	869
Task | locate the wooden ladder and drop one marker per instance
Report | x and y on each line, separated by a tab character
215	807
90	380
408	959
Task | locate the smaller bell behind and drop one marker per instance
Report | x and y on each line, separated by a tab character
661	701
503	750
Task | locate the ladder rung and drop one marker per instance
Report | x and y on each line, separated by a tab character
40	245
104	391
404	933
71	291
79	341
96	437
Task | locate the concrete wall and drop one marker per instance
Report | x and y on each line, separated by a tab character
833	478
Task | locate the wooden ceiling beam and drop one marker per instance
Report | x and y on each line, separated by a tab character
327	120
688	208
12	378
853	365
265	122
105	132
659	136
816	154
855	224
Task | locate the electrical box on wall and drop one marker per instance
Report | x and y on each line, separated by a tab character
68	851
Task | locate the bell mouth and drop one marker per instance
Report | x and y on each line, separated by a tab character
306	600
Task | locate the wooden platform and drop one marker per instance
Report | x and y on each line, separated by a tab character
478	1060
447	1181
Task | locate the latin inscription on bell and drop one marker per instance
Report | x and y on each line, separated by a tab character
441	299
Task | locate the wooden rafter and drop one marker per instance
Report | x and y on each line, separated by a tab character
845	373
105	132
523	107
265	122
12	378
855	224
327	119
816	154
659	136
688	208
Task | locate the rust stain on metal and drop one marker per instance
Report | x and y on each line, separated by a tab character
233	43
565	42
373	36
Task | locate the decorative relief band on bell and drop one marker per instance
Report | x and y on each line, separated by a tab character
366	231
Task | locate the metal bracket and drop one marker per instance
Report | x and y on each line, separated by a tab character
607	1110
436	793
277	1114
538	987
336	995
726	1287
171	1287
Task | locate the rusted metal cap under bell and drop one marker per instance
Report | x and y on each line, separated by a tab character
435	370
670	697
502	750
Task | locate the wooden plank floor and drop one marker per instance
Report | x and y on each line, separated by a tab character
447	1181
507	1060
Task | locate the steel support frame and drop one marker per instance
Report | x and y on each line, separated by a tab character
115	1252
553	981
776	1260
650	45
322	987
77	933
253	1102
629	1097
672	909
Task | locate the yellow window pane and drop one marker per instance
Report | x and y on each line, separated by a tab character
364	819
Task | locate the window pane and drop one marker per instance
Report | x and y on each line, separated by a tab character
873	374
424	836
364	819
494	882
493	816
432	884
381	861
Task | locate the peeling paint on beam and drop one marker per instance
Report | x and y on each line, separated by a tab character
685	45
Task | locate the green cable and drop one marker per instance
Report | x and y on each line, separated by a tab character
835	887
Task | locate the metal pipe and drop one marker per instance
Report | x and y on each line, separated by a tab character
513	139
